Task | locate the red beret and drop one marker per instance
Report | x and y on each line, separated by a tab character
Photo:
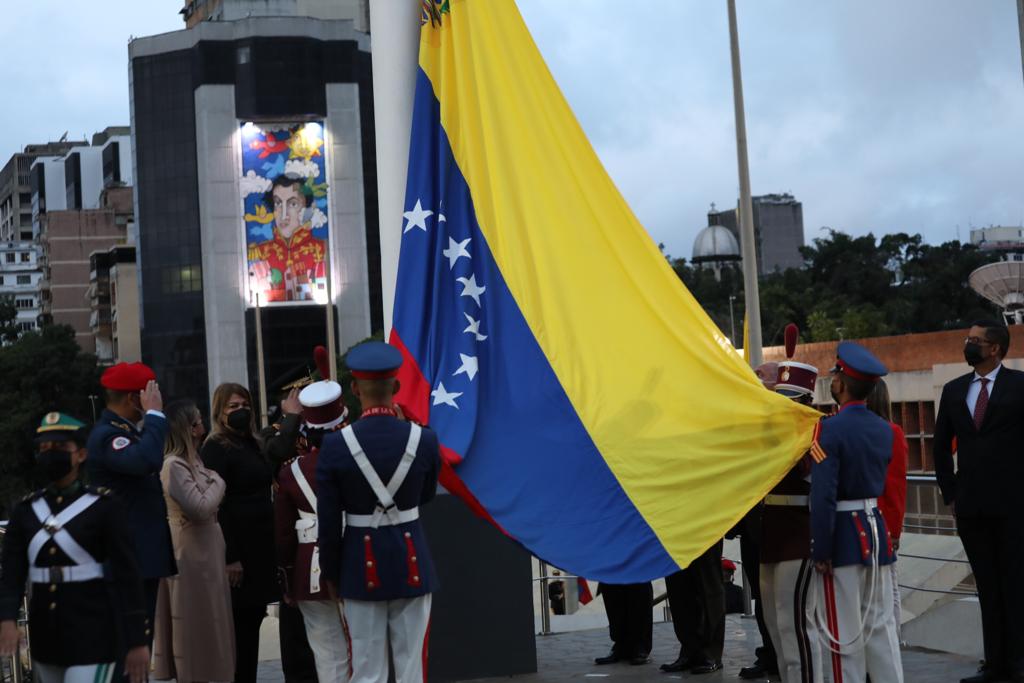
728	565
127	377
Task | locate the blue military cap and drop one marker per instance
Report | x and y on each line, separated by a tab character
374	360
856	361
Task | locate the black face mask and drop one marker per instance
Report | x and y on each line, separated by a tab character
54	464
972	353
240	420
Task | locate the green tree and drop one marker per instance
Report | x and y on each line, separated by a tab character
8	315
42	371
854	287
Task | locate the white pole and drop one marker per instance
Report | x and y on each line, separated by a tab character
751	297
1020	29
332	343
394	49
260	370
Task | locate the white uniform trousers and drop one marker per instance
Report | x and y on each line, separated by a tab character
843	597
325	631
785	599
83	673
897	602
370	623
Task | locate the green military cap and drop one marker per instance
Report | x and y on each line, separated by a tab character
59	427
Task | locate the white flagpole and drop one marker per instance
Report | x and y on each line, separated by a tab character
748	246
394	50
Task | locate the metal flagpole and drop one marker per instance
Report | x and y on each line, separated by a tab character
394	43
260	371
1020	28
332	344
749	248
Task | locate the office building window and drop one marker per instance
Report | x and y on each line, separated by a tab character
24	303
9	257
26	327
25	257
24	279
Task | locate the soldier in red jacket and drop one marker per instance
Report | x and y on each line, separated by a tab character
323	411
893	501
786	567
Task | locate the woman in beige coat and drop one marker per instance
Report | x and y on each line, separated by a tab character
195	637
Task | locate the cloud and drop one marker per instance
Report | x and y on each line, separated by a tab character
252	184
877	116
304	168
318	218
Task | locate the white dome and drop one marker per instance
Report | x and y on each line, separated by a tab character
715	242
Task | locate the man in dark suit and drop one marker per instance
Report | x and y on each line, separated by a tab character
126	458
984	412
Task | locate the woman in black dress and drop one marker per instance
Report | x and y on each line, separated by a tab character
246	517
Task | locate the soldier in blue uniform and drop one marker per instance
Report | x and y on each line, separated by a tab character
849	540
71	543
379	471
127	459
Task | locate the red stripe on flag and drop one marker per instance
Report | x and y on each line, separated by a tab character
414	397
413	390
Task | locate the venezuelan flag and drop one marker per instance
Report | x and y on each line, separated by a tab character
585	401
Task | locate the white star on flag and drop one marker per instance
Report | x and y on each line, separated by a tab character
471	288
441	395
474	327
417	218
469	366
455	251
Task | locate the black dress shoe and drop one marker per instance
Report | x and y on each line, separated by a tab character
706	667
610	658
753	671
640	658
682	663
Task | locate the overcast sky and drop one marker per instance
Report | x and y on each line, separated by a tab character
879	116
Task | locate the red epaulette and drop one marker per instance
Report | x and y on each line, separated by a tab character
817	452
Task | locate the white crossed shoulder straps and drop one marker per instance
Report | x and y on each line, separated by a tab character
86	567
385	494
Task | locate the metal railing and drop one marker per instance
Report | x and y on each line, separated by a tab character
543	579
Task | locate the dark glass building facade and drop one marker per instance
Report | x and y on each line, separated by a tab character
279	70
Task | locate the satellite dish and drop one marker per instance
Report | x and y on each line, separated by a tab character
1002	283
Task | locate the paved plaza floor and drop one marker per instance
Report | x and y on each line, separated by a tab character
565	657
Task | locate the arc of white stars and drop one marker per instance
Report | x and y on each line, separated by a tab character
473	327
470	366
417	218
470	288
445	397
455	251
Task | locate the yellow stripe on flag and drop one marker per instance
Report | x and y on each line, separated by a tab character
685	426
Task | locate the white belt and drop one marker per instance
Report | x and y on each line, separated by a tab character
865	504
401	517
306	527
785	500
69	574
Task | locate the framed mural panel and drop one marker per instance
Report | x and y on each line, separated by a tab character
284	206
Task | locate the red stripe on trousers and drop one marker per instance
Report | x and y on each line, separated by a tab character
833	627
